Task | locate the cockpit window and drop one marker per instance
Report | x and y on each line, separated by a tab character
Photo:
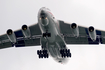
45	8
48	9
43	15
42	8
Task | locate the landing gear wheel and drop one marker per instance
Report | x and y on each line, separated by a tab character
42	53
49	34
69	54
65	53
39	55
47	55
46	34
68	50
38	52
61	51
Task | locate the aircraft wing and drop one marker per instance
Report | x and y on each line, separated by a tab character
21	40
83	37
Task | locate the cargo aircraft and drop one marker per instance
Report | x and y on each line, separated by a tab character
52	35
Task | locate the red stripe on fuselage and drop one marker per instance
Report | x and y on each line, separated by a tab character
50	13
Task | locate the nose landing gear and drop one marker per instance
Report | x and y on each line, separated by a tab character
46	34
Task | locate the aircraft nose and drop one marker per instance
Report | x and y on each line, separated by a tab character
43	14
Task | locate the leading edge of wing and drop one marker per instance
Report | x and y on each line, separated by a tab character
20	38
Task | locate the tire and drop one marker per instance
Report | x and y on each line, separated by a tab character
42	56
44	34
38	52
49	34
39	56
62	55
45	51
47	55
69	54
61	51
68	50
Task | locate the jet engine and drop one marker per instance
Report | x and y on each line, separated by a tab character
26	31
11	36
92	33
75	29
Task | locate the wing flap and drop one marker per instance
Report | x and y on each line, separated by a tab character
74	40
21	40
4	41
83	38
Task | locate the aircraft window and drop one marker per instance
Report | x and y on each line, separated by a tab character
42	8
48	9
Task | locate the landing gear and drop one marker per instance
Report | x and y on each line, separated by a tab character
46	34
65	53
42	53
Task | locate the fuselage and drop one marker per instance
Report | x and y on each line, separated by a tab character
55	42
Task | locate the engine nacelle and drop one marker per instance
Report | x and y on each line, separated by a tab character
75	29
26	31
11	36
92	33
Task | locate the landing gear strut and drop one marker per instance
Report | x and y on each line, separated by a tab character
42	53
46	34
65	53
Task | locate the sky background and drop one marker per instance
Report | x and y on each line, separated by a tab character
15	13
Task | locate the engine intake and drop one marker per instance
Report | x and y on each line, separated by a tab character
75	29
92	33
24	27
9	31
26	31
11	35
91	29
73	25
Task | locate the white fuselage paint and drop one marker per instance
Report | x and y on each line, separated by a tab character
55	42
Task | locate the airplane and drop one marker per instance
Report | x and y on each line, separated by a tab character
52	35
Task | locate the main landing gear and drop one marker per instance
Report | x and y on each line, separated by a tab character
42	53
65	53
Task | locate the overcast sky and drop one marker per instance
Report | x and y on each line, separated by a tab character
15	13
